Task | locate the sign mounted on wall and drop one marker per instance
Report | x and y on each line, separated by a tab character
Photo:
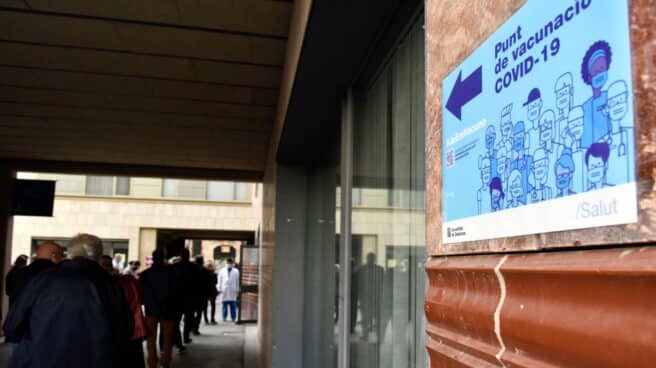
538	125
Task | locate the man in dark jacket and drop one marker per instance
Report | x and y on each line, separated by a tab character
71	316
203	296
191	281
48	255
161	293
10	279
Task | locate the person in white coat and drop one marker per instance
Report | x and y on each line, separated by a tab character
228	288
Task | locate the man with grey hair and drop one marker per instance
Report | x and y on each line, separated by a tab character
71	316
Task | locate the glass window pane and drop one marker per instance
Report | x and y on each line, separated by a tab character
170	188
356	197
122	185
388	247
193	189
70	184
220	190
243	192
100	185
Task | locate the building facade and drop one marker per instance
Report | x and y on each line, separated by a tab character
128	212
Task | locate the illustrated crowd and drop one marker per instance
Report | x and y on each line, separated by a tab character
562	151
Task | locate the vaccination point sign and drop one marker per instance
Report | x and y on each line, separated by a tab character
538	125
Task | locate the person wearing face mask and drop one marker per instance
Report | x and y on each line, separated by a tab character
496	194
594	71
573	132
616	109
564	91
541	191
564	172
515	189
228	288
596	160
486	175
522	162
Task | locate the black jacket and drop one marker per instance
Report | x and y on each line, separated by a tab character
10	283
161	292
71	316
192	284
22	277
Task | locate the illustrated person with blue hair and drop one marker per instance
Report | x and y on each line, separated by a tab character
594	71
564	171
496	194
596	160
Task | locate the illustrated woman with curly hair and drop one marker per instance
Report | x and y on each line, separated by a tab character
594	71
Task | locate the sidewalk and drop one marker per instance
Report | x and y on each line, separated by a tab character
220	346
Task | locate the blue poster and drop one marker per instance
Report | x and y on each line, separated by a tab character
538	125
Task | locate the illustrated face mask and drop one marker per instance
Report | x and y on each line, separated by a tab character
595	169
562	98
540	170
489	140
562	181
534	110
516	188
600	79
576	128
518	143
617	107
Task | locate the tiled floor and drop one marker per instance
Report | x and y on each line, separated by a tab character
219	346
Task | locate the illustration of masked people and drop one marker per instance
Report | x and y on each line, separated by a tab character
533	106
506	129
616	109
496	194
490	140
486	176
515	189
503	162
523	162
546	126
596	161
541	191
564	90
594	71
573	132
564	171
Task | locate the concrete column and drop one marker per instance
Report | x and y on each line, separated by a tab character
147	244
6	224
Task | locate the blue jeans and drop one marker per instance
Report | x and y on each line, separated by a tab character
232	304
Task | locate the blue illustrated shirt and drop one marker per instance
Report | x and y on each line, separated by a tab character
595	123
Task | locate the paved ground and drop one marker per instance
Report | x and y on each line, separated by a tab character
219	346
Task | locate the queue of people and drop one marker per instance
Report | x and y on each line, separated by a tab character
88	310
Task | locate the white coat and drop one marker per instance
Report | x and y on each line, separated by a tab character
228	286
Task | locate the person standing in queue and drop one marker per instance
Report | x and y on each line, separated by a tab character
190	279
161	294
10	280
132	293
213	293
48	255
205	284
71	316
228	288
